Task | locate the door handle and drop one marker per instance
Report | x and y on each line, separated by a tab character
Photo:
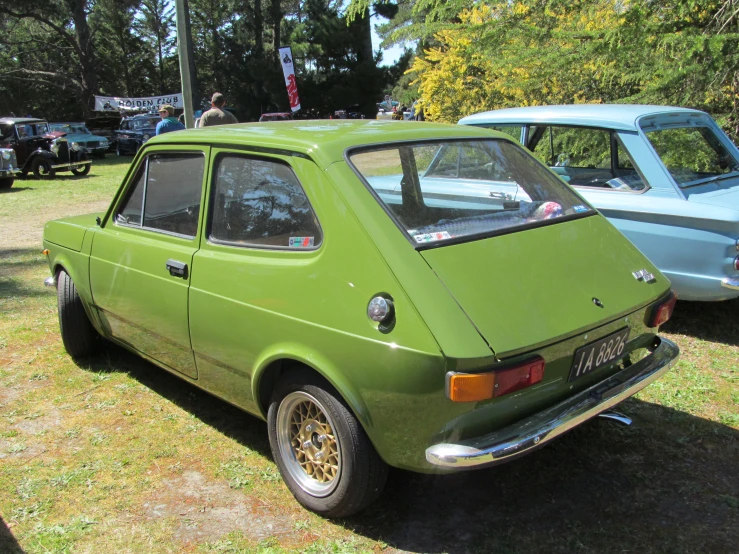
177	269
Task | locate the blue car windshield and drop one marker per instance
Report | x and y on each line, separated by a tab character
453	190
693	155
148	123
72	128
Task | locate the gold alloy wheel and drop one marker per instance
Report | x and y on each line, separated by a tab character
308	443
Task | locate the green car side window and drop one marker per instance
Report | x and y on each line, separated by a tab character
130	214
171	185
261	203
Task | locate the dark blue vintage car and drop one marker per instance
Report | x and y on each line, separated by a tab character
134	132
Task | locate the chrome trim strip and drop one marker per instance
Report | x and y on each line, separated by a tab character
533	432
730	283
50	282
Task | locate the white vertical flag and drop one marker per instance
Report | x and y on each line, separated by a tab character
286	57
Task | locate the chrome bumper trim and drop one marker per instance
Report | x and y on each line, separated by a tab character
535	431
71	165
50	282
12	172
730	283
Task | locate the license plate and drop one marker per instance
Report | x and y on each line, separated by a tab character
599	353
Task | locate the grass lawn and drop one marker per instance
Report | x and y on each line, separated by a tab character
116	455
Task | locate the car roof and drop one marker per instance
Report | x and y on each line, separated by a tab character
613	116
67	123
14	120
323	140
276	113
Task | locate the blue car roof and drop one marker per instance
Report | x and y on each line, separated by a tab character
622	117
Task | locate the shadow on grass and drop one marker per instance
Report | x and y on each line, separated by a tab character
8	544
59	177
15	261
229	420
669	483
112	159
15	189
711	321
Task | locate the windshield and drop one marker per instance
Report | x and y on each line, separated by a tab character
32	129
275	117
137	124
692	154
439	191
70	128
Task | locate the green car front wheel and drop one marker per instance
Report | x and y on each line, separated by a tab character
78	335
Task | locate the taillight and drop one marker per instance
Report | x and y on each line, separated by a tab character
662	311
736	263
473	387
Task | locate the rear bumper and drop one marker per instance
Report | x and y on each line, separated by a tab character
728	283
532	433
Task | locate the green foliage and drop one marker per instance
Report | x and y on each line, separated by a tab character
487	55
56	54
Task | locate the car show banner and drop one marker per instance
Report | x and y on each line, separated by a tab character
286	57
116	103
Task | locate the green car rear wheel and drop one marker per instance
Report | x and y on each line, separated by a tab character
323	454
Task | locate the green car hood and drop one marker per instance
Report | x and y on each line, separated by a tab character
530	288
69	232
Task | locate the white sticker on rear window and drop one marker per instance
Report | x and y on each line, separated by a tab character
431	237
300	242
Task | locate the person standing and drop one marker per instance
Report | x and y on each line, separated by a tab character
217	115
169	121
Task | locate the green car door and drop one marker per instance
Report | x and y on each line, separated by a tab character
141	259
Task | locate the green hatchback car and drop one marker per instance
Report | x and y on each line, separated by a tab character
423	296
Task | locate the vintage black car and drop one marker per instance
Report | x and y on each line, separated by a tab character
134	132
39	151
8	167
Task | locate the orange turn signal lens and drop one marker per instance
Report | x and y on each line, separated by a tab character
45	251
470	387
474	387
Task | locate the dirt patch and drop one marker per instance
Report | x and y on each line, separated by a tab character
27	229
208	510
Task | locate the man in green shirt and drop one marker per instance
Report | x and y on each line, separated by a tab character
217	115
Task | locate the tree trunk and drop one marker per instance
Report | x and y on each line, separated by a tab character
366	58
89	78
276	15
258	28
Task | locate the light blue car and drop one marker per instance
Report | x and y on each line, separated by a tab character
78	133
667	178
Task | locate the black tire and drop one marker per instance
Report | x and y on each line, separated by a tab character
361	474
7	182
78	335
41	168
82	170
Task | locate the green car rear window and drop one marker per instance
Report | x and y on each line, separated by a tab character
451	191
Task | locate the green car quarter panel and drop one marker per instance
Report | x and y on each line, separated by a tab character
229	252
